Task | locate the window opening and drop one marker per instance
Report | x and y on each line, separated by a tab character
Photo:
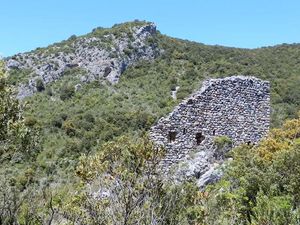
199	138
172	136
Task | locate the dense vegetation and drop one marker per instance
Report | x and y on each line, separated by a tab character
59	125
79	122
261	184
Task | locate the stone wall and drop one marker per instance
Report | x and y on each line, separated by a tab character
237	107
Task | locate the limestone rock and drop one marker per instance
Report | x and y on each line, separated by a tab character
104	57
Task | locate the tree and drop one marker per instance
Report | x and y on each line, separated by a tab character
40	85
18	141
15	136
123	186
22	201
66	92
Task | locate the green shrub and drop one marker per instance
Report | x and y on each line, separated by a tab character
30	121
49	91
57	122
72	148
89	118
69	128
72	37
222	142
64	116
40	85
127	51
66	92
85	125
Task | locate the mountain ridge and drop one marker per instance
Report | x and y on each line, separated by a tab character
103	53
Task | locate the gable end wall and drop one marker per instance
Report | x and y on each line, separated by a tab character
237	107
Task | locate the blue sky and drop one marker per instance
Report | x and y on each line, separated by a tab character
28	24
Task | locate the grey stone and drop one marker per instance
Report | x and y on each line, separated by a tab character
89	55
237	107
77	87
12	64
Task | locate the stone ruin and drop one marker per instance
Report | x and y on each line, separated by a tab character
237	107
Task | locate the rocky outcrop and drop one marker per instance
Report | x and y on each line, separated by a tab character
101	56
236	108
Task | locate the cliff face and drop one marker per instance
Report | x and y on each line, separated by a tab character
236	107
104	53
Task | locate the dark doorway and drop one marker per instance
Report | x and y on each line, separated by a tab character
172	136
199	138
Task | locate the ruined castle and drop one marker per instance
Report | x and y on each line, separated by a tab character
237	107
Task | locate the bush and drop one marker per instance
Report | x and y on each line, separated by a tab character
127	51
64	116
40	85
222	141
49	91
72	148
72	37
85	125
30	121
173	87
261	184
57	122
89	118
67	92
69	128
190	74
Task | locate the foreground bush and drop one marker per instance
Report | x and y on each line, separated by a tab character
261	185
122	186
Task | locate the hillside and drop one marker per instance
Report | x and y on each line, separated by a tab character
86	91
79	121
104	53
